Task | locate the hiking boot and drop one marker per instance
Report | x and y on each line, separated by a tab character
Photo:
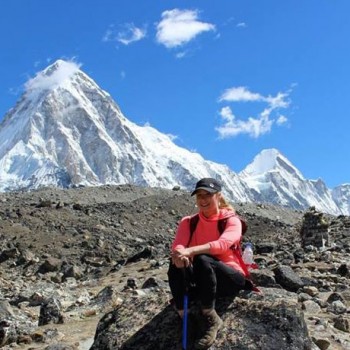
213	324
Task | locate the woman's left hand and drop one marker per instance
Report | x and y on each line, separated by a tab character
181	257
180	261
183	252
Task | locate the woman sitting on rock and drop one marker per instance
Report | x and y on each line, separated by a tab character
214	266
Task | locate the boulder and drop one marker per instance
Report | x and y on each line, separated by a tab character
287	278
273	322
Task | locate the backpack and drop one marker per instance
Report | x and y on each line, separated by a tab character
193	221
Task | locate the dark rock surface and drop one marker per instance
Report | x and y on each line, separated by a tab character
86	268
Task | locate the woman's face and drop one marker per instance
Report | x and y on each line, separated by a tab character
208	203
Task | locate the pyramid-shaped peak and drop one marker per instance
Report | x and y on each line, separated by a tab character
268	160
53	76
265	160
60	65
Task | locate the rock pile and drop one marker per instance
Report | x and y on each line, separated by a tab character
86	269
315	229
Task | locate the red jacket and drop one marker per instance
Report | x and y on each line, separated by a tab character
207	232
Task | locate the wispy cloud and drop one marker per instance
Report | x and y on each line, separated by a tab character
240	93
241	25
126	33
47	80
178	27
181	54
172	137
281	120
253	126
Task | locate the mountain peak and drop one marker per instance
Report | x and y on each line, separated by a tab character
269	160
54	75
266	160
57	65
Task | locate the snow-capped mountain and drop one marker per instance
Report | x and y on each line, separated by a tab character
275	180
66	131
341	196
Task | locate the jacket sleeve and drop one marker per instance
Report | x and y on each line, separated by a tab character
182	236
231	236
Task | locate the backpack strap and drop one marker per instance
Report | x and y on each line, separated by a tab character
193	221
222	225
244	224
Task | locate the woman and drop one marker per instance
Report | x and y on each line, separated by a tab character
215	267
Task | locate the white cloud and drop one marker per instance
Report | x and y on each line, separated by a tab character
181	54
226	114
281	120
178	27
47	80
241	25
253	126
126	34
241	93
279	101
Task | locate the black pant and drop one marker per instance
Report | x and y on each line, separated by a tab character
209	279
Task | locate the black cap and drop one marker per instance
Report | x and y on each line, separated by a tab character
207	184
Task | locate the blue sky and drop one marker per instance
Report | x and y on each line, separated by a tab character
225	78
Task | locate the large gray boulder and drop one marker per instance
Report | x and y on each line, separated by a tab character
273	321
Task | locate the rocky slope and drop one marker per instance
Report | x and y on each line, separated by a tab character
86	268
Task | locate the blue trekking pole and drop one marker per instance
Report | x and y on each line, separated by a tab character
184	318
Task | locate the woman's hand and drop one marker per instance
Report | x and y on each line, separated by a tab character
181	257
184	252
181	262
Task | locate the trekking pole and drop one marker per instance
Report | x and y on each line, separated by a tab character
185	315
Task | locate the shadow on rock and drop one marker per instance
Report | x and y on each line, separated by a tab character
139	323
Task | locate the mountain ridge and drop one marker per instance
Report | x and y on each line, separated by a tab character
66	131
